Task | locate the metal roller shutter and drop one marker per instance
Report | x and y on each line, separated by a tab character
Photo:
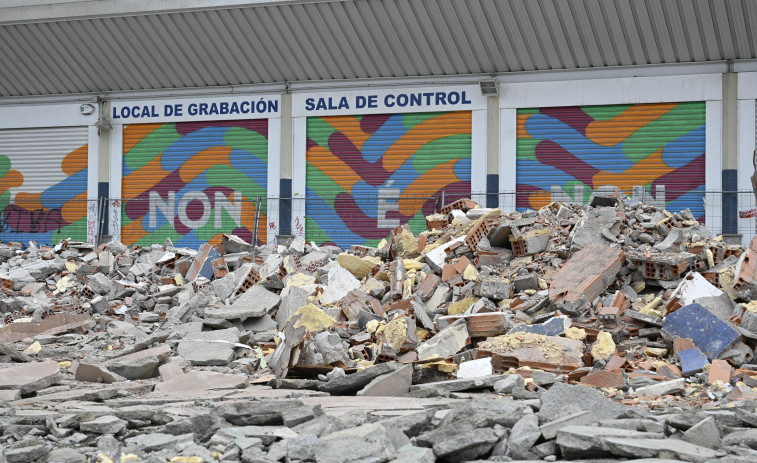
43	184
368	174
654	151
193	181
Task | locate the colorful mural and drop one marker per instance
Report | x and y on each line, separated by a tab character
369	174
193	182
653	151
58	212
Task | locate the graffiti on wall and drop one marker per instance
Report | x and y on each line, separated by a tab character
58	212
368	174
654	152
194	181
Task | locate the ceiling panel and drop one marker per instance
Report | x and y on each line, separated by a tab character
276	42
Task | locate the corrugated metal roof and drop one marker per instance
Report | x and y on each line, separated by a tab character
333	40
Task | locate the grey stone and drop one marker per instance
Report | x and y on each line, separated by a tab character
198	381
445	343
559	395
135	368
526	432
149	317
467	445
508	383
66	455
224	287
100	284
302	447
255	302
30	377
291	303
106	424
704	433
152	442
590	442
549	430
666	387
27	450
330	346
282	412
357	381
412	454
747	437
660	448
365	443
197	352
396	383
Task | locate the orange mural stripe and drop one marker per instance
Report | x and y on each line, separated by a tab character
423	187
29	201
134	134
140	180
75	161
616	130
349	126
75	208
522	132
248	212
332	167
132	232
263	227
642	173
432	129
13	179
203	161
539	199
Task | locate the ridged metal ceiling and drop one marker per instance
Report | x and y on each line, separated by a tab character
328	40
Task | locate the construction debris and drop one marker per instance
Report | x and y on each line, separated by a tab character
612	330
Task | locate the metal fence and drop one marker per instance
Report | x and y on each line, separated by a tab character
343	220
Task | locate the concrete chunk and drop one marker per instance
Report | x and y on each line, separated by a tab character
30	377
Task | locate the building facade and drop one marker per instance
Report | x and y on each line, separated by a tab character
340	120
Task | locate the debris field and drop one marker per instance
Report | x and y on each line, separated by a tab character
607	332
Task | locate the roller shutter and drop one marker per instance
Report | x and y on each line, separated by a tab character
43	184
368	174
654	151
193	182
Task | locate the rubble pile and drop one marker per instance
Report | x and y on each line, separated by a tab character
614	330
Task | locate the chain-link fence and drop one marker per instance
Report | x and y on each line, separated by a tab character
75	219
342	219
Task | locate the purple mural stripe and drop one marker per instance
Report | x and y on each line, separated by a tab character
522	199
370	124
25	221
552	154
180	227
210	192
573	116
343	148
683	179
310	143
243	233
140	206
356	220
256	125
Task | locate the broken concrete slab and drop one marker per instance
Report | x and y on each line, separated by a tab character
395	383
30	377
198	381
255	302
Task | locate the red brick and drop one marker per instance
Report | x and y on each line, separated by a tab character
681	344
605	379
720	371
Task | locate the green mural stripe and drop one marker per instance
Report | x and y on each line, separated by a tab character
677	122
230	177
75	230
526	148
441	150
605	113
160	235
5	165
319	131
410	120
527	111
240	138
323	185
151	146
